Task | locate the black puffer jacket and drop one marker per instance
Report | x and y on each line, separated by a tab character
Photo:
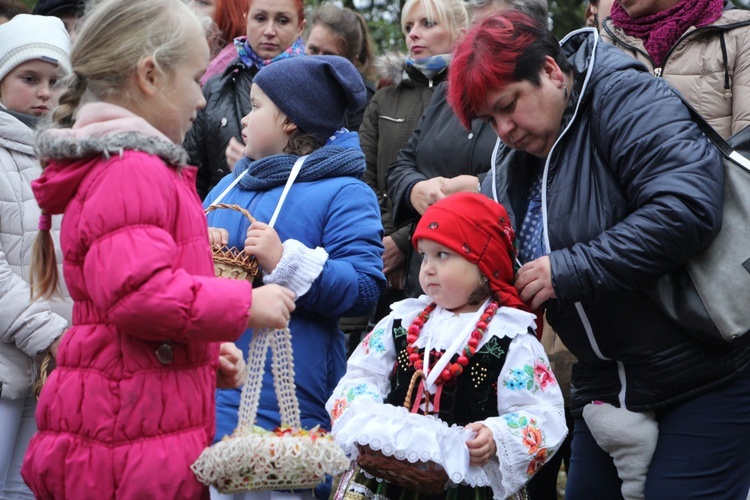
633	188
227	101
439	146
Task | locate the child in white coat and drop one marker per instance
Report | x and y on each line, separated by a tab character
34	55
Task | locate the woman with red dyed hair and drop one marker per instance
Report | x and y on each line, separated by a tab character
230	21
214	144
610	184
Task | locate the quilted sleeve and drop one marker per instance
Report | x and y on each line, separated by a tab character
135	270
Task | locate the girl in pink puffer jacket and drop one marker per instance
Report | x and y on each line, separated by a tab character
131	403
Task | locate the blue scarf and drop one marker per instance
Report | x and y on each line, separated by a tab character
340	157
249	58
430	67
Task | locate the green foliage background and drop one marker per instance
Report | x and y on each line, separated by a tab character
383	17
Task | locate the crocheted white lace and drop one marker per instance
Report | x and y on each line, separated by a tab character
255	459
396	432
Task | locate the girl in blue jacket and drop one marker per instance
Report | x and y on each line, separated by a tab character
325	244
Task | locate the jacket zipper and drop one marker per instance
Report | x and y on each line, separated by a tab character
545	181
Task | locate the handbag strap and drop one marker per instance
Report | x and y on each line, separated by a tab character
722	145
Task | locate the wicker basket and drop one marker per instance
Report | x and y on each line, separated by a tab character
254	459
424	477
232	262
48	364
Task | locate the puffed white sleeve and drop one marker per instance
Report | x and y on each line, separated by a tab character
531	422
367	371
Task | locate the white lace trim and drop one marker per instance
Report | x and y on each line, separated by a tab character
396	432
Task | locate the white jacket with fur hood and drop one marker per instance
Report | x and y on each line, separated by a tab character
26	328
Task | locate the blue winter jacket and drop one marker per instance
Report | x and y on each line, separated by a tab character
632	190
340	214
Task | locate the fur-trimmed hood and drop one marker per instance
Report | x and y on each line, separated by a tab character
390	68
101	130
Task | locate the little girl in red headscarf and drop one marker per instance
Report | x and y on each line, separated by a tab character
465	355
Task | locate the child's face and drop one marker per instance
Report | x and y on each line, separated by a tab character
446	277
174	110
31	88
265	129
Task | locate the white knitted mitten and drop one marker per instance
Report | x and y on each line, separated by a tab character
298	268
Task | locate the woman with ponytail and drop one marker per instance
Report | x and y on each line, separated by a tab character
34	55
130	405
339	31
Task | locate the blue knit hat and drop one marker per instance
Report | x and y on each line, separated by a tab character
314	92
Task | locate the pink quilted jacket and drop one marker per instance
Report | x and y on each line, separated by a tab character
131	404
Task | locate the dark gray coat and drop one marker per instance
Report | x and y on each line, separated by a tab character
439	146
227	101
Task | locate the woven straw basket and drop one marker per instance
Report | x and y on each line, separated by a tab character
253	459
231	262
424	477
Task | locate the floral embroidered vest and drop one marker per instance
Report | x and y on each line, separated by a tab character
471	397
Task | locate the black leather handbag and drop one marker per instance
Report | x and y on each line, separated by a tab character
709	296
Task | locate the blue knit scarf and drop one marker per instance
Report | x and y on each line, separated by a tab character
430	67
249	58
329	161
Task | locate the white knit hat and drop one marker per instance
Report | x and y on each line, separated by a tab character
27	37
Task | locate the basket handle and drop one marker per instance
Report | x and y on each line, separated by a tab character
282	368
256	357
216	206
419	374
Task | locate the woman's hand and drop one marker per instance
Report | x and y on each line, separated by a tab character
235	152
460	184
263	242
232	370
396	279
482	447
425	193
534	282
272	307
218	236
393	257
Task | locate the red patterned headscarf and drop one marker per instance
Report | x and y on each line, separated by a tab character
478	229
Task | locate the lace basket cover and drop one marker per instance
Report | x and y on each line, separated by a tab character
255	459
409	437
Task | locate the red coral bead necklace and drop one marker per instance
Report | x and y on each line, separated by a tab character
453	370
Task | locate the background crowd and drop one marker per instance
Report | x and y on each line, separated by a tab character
606	182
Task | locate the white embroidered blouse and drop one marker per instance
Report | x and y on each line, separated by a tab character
527	432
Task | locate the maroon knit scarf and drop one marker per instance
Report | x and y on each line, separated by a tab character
661	31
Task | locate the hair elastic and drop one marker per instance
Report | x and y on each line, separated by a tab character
45	222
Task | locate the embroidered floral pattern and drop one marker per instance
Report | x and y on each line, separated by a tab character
493	348
341	404
531	378
531	437
373	342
